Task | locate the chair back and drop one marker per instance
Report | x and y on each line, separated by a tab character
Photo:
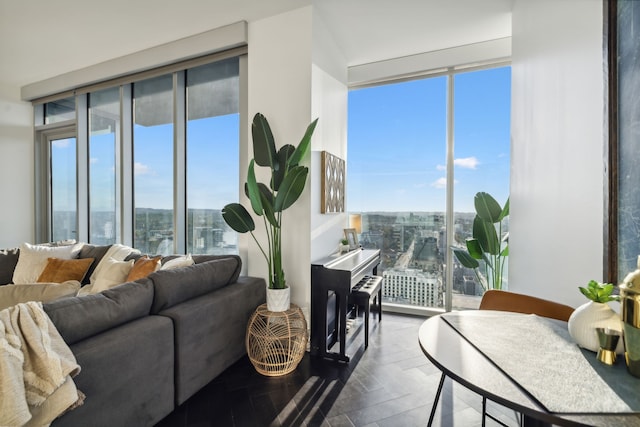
494	299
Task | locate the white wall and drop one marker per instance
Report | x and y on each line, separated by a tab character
556	221
329	103
16	169
296	73
279	86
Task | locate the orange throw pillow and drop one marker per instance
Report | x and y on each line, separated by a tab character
143	267
60	270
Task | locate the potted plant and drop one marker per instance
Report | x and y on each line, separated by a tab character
596	313
487	244
286	183
344	246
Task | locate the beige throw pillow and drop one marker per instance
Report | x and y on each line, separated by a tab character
13	294
33	259
112	273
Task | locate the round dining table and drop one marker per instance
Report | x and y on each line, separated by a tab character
490	353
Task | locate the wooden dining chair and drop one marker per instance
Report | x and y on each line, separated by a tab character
494	299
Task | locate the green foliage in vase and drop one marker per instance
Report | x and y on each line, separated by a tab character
488	243
599	292
285	186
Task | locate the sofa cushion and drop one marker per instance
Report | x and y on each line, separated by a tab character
14	294
95	252
8	261
77	318
33	259
180	284
60	270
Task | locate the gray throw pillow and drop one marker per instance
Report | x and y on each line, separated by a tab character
8	261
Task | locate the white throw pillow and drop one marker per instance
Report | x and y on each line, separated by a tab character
113	273
33	259
181	261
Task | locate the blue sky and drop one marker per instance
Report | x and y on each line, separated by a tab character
397	143
396	152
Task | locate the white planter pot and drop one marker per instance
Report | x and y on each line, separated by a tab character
278	299
586	318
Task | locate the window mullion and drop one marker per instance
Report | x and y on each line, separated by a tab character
449	215
179	169
125	174
82	169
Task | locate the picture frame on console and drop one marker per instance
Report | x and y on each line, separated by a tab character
352	237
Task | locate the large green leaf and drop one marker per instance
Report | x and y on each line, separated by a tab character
465	259
505	252
303	147
253	191
291	188
485	233
505	210
238	218
487	208
474	248
266	196
284	154
264	145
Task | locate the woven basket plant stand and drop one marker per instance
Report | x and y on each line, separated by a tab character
276	340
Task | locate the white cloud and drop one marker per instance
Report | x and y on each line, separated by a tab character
440	183
466	162
141	169
93	160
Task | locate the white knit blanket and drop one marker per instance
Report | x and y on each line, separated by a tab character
36	367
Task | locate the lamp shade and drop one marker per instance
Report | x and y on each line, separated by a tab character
355	221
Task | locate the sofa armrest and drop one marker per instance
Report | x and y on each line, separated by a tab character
210	332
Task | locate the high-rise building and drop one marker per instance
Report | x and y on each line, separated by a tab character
412	286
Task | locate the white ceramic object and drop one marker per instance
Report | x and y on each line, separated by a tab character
278	299
586	318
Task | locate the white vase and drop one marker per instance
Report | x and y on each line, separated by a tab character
278	299
586	318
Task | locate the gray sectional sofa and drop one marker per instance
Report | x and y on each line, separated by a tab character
145	347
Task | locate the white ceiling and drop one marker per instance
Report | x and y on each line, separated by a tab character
40	39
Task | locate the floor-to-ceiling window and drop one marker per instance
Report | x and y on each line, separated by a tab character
147	161
212	140
153	165
63	187
418	152
104	137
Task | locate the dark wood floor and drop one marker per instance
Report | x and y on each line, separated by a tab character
390	384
